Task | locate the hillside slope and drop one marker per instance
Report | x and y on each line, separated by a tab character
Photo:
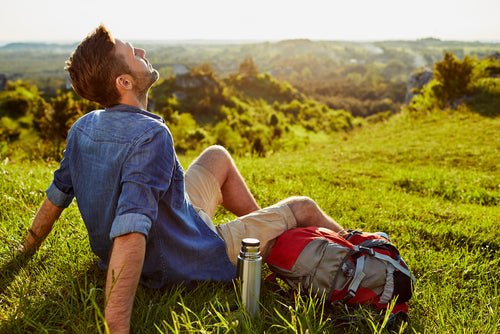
430	181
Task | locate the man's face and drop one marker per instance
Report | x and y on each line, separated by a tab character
142	71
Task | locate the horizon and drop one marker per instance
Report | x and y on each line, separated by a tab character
243	41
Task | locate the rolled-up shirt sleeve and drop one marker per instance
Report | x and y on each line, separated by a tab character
60	191
129	223
57	197
145	177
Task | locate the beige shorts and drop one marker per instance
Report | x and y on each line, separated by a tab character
264	224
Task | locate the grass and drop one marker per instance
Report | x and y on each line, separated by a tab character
432	182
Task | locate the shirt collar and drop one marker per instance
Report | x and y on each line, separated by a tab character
128	108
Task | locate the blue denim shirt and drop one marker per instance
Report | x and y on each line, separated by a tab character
121	166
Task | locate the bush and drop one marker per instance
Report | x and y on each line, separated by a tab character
227	137
15	106
9	130
460	83
453	77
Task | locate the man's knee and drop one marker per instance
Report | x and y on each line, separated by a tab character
217	160
303	207
216	149
300	201
213	155
216	152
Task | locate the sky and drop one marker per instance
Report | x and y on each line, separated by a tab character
71	21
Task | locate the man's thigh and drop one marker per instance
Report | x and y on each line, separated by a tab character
264	224
203	189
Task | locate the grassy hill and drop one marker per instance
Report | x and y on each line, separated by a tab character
430	180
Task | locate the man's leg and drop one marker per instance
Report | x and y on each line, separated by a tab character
269	223
266	224
308	213
236	197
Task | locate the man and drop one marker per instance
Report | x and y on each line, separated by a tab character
148	221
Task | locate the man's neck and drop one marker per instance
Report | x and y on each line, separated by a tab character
135	101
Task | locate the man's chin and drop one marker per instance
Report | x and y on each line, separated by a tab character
145	81
155	76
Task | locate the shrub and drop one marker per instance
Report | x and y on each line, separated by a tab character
453	77
227	137
15	106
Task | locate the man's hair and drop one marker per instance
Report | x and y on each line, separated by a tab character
93	68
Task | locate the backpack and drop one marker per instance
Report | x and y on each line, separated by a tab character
353	268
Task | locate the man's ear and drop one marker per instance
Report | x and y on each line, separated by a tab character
124	82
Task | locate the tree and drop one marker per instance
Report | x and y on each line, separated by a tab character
203	69
453	77
248	69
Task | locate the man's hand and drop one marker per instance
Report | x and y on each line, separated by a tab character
124	272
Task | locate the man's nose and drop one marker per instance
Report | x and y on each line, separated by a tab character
140	52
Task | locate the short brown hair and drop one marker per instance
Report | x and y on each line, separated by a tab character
93	68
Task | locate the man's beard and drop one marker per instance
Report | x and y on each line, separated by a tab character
144	81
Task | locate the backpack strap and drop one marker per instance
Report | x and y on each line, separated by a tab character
359	274
358	277
397	264
378	243
337	274
360	264
348	233
388	292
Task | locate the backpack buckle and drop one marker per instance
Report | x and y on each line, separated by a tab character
367	250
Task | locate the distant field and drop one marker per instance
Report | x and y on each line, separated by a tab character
431	182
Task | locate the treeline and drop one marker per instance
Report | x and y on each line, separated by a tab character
250	110
364	78
247	112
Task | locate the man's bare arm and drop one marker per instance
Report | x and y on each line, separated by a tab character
124	272
41	226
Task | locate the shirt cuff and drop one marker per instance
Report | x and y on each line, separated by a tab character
57	197
130	223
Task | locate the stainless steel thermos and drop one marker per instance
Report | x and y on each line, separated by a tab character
249	268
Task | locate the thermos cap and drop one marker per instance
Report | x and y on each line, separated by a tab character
252	242
250	248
